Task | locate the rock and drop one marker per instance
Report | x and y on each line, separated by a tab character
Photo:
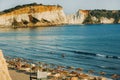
105	20
4	74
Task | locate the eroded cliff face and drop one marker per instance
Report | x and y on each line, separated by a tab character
34	16
4	74
47	15
77	18
94	17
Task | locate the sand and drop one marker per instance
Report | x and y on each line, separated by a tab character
15	75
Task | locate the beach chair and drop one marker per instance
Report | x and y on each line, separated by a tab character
39	76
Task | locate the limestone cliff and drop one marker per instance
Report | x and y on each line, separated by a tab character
77	18
94	17
4	74
102	17
33	15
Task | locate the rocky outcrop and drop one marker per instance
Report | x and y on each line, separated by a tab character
105	20
4	74
33	15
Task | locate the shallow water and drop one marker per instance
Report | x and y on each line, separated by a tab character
88	46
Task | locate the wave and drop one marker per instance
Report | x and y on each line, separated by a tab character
110	68
93	54
97	55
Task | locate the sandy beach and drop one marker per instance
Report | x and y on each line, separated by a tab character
15	75
21	70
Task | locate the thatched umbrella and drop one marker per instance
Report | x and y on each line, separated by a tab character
70	67
18	65
26	65
36	68
91	71
102	73
73	72
11	63
115	76
65	72
74	78
83	76
79	69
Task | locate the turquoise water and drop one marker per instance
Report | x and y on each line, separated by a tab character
88	46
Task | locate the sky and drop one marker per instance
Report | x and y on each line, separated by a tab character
70	6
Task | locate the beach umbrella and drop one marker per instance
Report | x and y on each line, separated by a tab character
74	78
115	76
70	67
18	65
74	72
79	69
91	71
83	76
52	65
102	73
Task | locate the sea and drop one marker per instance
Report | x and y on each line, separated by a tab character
95	47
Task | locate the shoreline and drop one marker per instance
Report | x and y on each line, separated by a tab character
48	25
23	67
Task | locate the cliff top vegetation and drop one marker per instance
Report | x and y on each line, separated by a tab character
28	5
103	13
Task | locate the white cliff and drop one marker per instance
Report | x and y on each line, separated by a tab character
94	19
47	15
57	16
77	18
4	74
51	14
